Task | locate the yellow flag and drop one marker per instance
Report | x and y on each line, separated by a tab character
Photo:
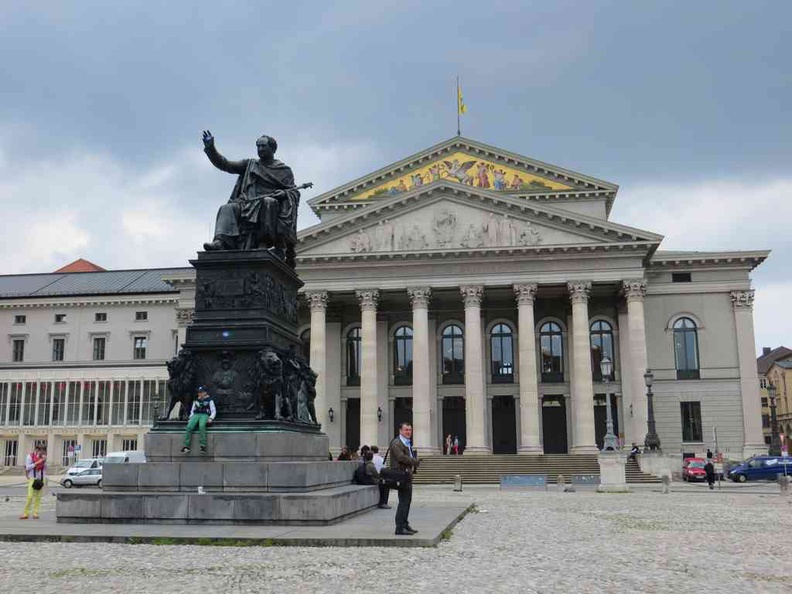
461	107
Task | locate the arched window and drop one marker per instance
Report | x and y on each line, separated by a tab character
403	356
552	345
305	345
686	349
502	354
453	345
601	346
353	356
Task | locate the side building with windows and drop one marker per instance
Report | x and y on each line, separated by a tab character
82	368
774	367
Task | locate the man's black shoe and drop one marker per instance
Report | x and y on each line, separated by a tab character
403	532
185	450
384	506
410	530
203	449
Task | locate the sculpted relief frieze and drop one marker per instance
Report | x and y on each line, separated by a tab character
445	228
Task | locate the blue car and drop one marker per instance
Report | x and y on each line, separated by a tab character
761	468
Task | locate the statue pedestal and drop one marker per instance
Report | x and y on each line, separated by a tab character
266	461
247	477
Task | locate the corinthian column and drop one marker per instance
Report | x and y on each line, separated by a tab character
634	292
368	366
423	437
753	439
317	301
475	401
583	440
529	388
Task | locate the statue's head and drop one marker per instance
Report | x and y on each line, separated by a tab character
266	146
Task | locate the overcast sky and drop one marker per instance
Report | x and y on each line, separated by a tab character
685	105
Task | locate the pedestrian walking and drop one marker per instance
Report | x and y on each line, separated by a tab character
403	458
35	468
709	469
202	414
456	445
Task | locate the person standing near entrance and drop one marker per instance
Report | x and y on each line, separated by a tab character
403	458
449	445
202	414
35	467
456	445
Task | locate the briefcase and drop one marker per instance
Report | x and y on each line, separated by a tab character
393	478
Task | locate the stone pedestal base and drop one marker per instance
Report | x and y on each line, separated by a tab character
750	450
268	478
583	449
530	450
659	464
612	476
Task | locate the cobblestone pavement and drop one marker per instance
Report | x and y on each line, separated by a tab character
517	542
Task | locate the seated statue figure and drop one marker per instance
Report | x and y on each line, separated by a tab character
262	210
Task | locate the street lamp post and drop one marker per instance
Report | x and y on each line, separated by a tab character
775	442
610	441
652	441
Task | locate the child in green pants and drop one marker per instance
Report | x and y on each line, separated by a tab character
202	414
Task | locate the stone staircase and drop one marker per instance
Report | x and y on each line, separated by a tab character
488	469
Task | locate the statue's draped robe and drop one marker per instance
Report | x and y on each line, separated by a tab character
273	220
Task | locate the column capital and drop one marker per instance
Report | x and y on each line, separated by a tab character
472	295
369	298
634	288
317	300
525	293
579	291
419	296
742	299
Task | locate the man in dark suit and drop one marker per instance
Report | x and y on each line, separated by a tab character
403	458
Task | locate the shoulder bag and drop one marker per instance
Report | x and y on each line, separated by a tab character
393	478
38	483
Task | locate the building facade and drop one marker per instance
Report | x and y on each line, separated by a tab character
473	292
774	366
82	367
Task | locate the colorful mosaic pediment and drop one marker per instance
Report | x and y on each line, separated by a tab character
465	169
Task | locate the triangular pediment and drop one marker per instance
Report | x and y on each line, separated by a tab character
444	216
467	163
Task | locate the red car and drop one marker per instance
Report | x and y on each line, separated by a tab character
693	469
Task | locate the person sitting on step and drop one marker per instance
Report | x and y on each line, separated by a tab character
202	414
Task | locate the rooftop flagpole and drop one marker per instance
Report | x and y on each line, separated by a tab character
459	129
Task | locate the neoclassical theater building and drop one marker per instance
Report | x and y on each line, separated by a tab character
474	292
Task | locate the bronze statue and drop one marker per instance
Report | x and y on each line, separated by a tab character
262	210
181	383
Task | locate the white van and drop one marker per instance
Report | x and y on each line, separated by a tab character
134	457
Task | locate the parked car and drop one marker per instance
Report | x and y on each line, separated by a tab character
761	468
693	469
86	477
84	464
133	456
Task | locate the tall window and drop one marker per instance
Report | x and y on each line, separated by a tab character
453	345
353	344
45	402
68	451
305	345
29	406
403	355
58	348
99	343
119	398
133	403
691	422
128	445
19	350
141	345
552	345
98	448
59	403
502	354
601	346
686	349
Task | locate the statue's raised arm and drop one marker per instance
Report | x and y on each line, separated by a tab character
262	210
219	160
